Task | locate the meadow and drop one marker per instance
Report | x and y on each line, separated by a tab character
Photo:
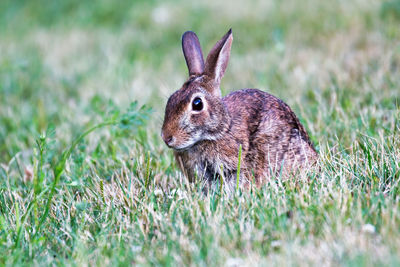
85	178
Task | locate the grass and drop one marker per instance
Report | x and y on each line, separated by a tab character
75	193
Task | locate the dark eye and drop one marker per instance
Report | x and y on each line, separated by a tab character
197	104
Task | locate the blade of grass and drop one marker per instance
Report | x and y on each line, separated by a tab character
238	167
147	171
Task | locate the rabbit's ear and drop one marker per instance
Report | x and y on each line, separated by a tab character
192	52
217	59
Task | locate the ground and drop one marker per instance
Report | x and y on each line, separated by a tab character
86	179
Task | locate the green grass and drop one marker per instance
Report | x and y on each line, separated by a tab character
115	196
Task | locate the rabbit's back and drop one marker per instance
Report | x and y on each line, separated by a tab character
276	139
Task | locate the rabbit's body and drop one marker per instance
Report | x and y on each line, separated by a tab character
272	139
206	130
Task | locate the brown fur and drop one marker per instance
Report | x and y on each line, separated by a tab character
206	142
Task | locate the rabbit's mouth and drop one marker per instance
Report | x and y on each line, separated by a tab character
179	142
182	148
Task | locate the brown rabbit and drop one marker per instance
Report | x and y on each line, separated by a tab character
205	130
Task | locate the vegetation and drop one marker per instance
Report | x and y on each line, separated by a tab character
85	178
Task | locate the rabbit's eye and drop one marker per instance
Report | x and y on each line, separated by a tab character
197	104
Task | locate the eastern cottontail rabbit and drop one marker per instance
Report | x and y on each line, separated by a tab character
205	130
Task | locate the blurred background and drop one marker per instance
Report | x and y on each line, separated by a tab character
68	62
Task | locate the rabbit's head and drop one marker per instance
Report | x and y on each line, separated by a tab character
195	112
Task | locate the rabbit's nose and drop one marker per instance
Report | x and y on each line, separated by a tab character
168	139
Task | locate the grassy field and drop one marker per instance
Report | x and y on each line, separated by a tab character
85	178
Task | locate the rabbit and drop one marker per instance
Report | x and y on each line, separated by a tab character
206	130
